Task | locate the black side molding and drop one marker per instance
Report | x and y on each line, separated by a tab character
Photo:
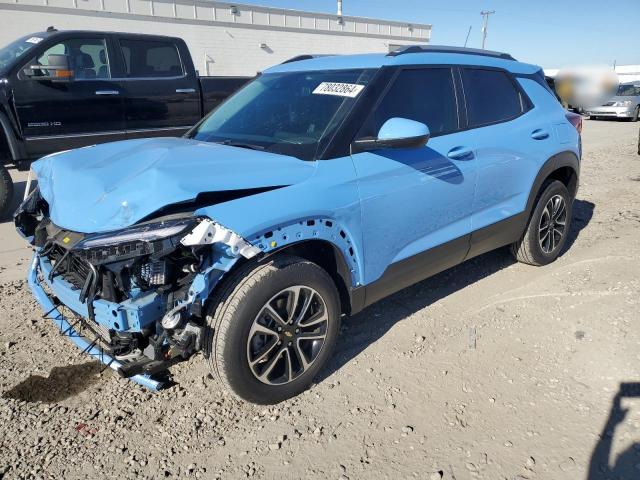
423	265
412	270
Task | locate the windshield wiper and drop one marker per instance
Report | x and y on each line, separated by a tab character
233	143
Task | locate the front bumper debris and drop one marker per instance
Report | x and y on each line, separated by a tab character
78	331
133	299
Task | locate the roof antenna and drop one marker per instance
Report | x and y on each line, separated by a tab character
52	29
467	39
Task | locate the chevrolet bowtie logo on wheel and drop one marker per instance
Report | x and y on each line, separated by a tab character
288	334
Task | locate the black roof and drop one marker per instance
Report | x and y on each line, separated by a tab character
52	31
448	49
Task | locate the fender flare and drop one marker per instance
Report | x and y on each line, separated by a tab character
15	149
280	238
559	160
324	229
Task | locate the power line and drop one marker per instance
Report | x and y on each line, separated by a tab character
485	14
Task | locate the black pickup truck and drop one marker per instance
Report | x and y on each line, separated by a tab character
67	89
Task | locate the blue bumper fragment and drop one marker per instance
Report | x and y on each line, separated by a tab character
67	329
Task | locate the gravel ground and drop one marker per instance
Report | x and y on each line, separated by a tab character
492	370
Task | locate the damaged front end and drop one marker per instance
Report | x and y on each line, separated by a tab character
132	298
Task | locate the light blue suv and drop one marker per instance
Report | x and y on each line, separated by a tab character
319	188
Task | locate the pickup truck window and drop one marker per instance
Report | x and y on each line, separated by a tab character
17	49
87	57
150	59
287	113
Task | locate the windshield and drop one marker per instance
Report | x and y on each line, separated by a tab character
294	113
628	91
17	49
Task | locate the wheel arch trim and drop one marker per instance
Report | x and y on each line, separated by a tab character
6	130
566	159
323	241
306	230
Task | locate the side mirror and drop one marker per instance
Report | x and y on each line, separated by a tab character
57	69
396	133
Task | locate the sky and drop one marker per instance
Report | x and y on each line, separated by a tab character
549	33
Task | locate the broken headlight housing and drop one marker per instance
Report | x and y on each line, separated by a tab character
149	232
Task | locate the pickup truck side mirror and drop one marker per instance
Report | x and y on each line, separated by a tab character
57	69
395	133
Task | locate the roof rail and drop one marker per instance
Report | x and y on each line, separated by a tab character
306	57
448	49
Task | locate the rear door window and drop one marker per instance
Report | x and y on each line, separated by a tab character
425	95
491	97
150	59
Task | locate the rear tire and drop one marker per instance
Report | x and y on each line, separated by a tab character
548	227
6	191
272	328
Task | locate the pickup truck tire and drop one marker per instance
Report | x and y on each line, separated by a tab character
6	191
548	227
272	328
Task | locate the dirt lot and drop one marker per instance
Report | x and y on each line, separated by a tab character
492	370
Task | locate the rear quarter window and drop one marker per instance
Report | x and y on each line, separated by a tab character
491	96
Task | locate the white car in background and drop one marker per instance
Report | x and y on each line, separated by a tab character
626	104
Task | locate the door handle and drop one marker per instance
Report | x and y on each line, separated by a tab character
459	153
107	92
185	90
539	134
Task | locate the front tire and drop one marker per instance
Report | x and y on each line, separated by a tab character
548	227
272	329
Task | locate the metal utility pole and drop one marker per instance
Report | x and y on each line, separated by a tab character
485	14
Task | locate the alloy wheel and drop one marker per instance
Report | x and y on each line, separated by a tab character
287	335
553	222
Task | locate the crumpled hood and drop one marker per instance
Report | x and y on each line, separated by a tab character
111	186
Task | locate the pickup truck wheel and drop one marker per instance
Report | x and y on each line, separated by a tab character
272	329
548	226
6	191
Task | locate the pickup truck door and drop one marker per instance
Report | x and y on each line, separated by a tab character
162	92
84	110
416	203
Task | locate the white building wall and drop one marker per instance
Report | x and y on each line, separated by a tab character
221	42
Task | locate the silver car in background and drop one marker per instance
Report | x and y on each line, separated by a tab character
626	104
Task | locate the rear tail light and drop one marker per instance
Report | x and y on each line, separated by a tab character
575	120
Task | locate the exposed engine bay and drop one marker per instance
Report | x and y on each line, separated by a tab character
142	287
